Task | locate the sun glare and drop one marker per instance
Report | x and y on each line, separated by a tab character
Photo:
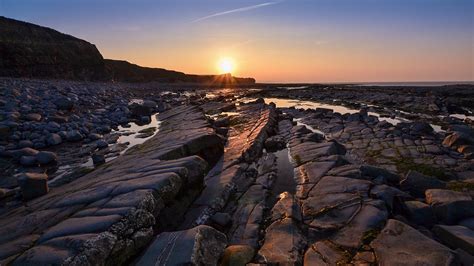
226	65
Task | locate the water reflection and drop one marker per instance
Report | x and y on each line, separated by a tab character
462	116
285	176
130	133
128	139
314	130
303	104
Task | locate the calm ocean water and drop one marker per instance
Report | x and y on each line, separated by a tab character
424	84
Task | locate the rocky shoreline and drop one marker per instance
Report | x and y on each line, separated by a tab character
234	176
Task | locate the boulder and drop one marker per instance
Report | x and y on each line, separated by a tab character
284	243
98	159
46	157
370	218
221	218
27	160
286	207
275	143
64	103
222	122
376	172
54	139
74	135
33	185
4	132
25	144
33	117
58	119
456	236
468	222
419	213
421	128
236	255
453	212
16	154
439	196
149	104
400	244
388	194
101	144
140	110
417	184
94	136
201	245
325	253
457	139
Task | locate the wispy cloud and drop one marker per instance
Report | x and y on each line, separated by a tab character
242	9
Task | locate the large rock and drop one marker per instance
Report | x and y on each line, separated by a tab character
107	217
439	196
74	135
453	212
417	183
421	128
33	185
54	139
4	132
236	255
286	207
283	243
419	212
17	154
140	110
33	117
458	138
26	160
371	217
456	236
325	253
46	157
400	244
201	245
309	151
64	103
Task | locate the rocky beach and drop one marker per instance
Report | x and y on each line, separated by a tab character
97	173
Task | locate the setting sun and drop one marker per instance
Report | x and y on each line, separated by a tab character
226	65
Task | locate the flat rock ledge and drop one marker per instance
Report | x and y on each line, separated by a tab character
109	215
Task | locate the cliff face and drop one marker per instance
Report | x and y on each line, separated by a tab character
28	50
32	51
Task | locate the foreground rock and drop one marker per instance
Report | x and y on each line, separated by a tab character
33	185
395	245
108	216
201	245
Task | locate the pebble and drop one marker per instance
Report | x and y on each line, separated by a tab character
46	157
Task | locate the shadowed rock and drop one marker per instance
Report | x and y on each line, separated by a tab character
108	216
201	245
400	244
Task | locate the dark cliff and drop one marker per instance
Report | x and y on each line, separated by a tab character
32	51
28	50
124	71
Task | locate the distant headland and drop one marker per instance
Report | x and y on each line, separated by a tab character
31	51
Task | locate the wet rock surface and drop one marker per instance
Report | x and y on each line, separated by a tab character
225	178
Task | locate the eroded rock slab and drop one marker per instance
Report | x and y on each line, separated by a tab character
201	245
400	244
108	216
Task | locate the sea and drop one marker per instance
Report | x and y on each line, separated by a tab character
414	84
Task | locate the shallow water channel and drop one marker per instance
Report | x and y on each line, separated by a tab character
130	136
